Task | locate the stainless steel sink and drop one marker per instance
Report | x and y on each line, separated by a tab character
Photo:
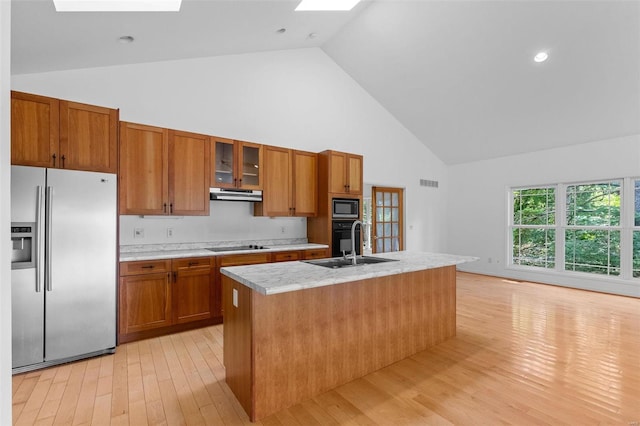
339	262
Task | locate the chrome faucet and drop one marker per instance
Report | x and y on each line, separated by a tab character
353	240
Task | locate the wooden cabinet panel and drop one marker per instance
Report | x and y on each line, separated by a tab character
344	173
305	183
354	173
286	256
290	183
145	302
243	259
192	290
337	172
144	267
277	195
188	173
34	130
316	254
162	171
48	132
88	137
144	184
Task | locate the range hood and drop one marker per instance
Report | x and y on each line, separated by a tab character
225	194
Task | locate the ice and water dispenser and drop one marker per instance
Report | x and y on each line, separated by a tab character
23	245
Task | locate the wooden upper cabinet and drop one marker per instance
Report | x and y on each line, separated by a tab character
162	171
236	164
278	179
305	183
34	130
88	137
344	173
144	177
290	183
189	158
47	132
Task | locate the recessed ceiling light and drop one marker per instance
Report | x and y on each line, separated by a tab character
117	5
326	5
541	57
126	39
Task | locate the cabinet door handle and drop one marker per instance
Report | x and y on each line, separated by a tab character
240	182
62	161
164	208
54	159
175	276
148	267
171	208
193	264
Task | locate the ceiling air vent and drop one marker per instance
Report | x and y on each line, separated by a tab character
429	183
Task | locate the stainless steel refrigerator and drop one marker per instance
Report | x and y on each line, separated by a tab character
63	265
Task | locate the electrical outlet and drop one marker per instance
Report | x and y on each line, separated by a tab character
282	229
169	232
489	260
138	233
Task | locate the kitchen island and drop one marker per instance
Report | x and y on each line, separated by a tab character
293	330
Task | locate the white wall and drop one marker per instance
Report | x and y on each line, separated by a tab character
5	213
478	210
294	98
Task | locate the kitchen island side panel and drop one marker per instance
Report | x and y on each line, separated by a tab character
309	341
237	353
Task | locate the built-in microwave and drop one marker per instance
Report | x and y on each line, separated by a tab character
346	208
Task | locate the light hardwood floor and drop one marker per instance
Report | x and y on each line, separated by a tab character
524	354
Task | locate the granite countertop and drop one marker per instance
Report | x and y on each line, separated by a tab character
273	278
172	252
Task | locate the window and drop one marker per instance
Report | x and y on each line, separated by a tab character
592	234
533	229
582	227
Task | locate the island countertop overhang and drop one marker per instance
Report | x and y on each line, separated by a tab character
274	278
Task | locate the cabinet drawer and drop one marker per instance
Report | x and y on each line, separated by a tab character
243	259
286	256
316	254
144	267
191	262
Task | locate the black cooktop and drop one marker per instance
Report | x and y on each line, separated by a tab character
237	248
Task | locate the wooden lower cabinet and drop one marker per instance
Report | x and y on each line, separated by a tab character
158	297
192	290
165	296
145	302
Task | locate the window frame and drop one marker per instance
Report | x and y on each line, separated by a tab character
626	228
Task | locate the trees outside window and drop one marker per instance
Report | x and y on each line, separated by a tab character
578	227
592	235
533	227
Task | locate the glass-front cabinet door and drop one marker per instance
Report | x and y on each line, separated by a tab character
223	164
250	165
236	164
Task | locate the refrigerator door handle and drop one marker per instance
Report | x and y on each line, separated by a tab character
47	253
39	259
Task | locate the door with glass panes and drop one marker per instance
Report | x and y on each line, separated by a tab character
387	219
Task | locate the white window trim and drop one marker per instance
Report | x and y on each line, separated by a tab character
626	229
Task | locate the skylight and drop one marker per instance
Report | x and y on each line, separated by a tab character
117	5
326	5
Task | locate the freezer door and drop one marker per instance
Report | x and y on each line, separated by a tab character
80	314
27	297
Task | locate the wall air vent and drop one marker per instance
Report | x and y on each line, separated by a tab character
429	183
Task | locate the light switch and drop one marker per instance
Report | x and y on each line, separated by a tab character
235	297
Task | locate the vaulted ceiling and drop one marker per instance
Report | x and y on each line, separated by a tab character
459	75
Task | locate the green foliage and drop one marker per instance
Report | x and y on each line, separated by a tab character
587	248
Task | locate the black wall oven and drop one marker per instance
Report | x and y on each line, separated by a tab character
341	238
